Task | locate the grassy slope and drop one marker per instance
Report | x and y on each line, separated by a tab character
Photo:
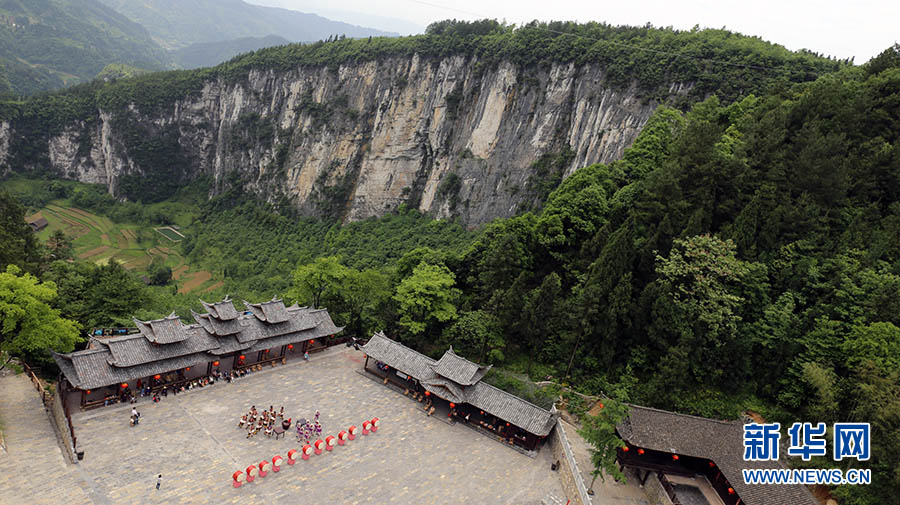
98	239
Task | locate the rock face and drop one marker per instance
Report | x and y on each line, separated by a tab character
451	136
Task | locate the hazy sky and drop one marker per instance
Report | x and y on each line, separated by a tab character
859	29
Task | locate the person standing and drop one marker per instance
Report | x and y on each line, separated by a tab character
135	415
158	481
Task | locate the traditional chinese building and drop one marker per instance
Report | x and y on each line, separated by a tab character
685	459
168	352
458	382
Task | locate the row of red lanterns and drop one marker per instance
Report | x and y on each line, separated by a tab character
238	478
675	457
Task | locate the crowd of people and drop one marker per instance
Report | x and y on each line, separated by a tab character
255	421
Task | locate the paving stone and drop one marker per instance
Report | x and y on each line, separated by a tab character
193	440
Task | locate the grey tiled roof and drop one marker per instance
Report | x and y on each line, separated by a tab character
162	331
399	356
511	408
718	441
92	368
495	401
119	359
269	312
223	311
217	326
134	350
230	343
459	369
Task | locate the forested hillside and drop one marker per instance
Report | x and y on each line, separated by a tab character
349	129
176	24
208	54
47	44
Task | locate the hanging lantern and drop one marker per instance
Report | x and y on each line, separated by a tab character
215	363
311	342
290	346
188	369
482	412
124	385
452	405
427	393
601	405
625	449
88	391
241	357
640	451
674	457
731	490
157	376
507	424
711	464
266	351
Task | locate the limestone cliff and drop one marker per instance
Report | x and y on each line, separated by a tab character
450	136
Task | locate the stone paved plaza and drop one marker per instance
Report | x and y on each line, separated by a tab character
192	439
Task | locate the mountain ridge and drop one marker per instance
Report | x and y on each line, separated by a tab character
473	120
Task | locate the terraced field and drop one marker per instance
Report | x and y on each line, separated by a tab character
97	239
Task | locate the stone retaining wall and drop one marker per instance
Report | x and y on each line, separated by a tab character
569	475
61	425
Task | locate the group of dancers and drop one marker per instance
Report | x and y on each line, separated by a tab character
264	421
305	430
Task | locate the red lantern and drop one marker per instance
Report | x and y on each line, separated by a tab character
88	391
427	393
157	376
452	405
290	346
482	412
215	363
640	451
124	385
507	424
711	464
601	405
625	449
674	457
188	369
241	357
266	351
731	490
311	342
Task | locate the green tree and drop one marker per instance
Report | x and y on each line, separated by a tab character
477	334
426	297
318	280
60	246
600	432
30	326
18	245
363	293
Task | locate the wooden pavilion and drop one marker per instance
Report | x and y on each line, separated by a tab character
664	446
165	352
458	382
